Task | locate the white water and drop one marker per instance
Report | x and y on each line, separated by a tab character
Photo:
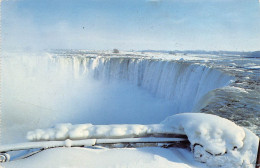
182	83
40	91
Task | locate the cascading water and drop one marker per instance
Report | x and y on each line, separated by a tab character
182	83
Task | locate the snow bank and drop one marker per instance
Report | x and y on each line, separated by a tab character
215	141
218	142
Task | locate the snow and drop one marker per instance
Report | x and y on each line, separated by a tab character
229	145
209	130
83	131
148	157
233	146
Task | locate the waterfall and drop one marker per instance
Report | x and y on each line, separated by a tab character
182	83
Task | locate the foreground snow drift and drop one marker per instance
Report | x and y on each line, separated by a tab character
214	140
149	157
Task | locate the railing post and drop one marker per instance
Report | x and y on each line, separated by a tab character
258	156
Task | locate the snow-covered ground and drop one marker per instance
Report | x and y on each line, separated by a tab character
149	157
132	88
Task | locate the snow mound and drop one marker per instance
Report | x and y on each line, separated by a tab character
215	133
215	141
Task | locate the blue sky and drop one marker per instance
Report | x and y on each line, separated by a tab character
132	24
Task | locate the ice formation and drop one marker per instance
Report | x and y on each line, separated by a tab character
222	141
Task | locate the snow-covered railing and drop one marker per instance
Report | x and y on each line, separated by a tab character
89	131
213	140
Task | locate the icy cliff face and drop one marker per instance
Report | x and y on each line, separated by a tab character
182	83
